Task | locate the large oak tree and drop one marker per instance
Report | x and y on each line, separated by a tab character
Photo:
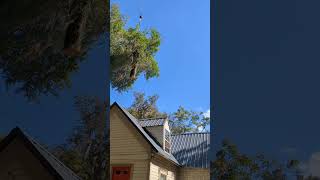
132	51
43	41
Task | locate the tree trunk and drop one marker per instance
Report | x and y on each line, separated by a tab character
133	71
74	32
134	63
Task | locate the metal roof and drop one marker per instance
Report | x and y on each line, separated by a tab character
152	122
55	167
146	135
191	149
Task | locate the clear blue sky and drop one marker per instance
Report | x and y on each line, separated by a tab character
184	56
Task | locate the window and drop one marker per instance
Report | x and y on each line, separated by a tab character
167	142
163	177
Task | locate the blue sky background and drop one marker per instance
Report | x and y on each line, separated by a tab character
184	56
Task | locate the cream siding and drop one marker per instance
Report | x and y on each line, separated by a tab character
159	165
194	174
22	164
128	147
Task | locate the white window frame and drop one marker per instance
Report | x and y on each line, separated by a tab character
163	175
167	133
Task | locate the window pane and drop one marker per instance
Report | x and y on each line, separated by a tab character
163	177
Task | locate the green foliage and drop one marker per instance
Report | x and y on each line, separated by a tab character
41	76
143	108
132	52
184	121
33	55
181	121
230	164
73	160
87	149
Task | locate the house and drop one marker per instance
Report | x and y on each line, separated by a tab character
22	158
146	150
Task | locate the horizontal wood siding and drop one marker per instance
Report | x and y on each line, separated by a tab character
128	147
159	164
154	172
194	174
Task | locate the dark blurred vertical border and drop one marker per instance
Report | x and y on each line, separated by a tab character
214	75
108	69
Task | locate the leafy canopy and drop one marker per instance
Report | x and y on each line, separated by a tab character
44	41
231	164
87	149
181	121
132	52
184	121
143	108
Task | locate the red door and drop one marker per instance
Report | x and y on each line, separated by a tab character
120	173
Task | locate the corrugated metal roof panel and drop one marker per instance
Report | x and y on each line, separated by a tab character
152	122
191	149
